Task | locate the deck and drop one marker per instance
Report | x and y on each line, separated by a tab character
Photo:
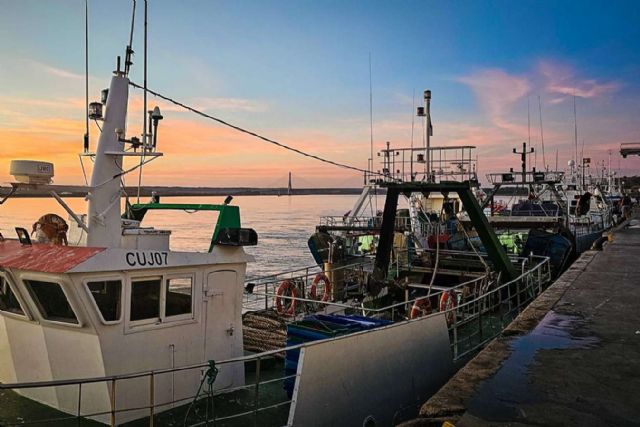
571	358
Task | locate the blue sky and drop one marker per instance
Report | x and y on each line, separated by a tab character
299	71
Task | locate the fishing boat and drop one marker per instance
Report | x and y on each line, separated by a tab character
102	322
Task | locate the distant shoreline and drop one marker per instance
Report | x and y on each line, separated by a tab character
146	191
81	191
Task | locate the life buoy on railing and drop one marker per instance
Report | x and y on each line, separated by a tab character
421	307
326	293
286	289
448	302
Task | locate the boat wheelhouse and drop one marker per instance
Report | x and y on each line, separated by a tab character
121	301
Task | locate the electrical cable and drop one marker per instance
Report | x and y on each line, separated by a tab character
248	132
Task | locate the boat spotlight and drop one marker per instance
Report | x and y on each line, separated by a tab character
95	111
156	116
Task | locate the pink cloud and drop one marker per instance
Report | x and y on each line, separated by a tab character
561	80
497	92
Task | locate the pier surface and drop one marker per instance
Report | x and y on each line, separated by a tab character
572	358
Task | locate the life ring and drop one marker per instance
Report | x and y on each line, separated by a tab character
313	292
421	307
448	302
286	288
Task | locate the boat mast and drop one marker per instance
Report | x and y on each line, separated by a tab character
575	136
104	198
428	134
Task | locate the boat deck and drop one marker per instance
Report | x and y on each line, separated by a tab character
571	358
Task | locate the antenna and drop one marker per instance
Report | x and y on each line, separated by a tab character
86	76
413	108
129	50
144	104
544	159
575	124
371	111
529	121
582	164
428	132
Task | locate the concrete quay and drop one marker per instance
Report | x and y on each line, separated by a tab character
572	358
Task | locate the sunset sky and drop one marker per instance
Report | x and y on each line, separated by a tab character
298	72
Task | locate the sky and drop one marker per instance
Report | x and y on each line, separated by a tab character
298	72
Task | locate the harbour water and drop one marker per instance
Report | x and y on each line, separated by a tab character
283	224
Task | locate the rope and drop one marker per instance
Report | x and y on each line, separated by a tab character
435	268
264	331
210	378
256	135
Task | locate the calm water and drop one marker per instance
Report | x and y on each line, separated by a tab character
283	224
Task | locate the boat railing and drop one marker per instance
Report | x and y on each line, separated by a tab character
362	222
437	164
471	324
530	177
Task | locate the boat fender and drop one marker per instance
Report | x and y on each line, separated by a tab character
286	288
313	292
448	302
421	307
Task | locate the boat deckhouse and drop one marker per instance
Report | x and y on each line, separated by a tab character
121	301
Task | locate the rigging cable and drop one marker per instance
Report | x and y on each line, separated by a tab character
248	132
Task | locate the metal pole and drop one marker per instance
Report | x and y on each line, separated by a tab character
113	403
86	75
455	338
152	398
79	402
256	397
427	102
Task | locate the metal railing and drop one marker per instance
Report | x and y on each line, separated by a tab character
478	317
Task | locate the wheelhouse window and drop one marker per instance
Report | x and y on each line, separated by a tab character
51	301
162	299
179	296
8	300
107	296
145	299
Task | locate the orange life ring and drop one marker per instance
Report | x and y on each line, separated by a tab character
421	307
313	292
448	301
286	288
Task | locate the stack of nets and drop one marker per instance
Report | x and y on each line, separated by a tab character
264	330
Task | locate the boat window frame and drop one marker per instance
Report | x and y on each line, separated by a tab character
163	298
94	304
162	321
21	302
63	285
148	321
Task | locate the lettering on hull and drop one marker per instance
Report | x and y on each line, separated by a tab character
146	259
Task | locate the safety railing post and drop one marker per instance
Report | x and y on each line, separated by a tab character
518	290
152	398
256	397
266	296
79	402
113	402
480	323
455	338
